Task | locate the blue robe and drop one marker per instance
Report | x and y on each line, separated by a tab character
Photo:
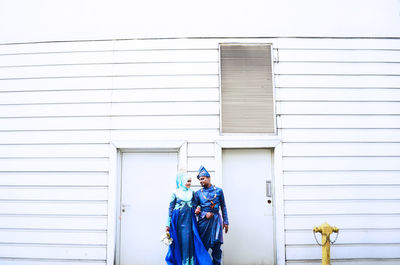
211	229
187	247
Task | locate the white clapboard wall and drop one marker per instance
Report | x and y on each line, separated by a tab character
61	103
338	106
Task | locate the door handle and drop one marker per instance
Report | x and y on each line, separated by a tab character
268	188
124	206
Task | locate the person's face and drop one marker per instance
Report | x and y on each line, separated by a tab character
188	183
204	181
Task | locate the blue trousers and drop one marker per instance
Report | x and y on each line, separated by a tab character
216	254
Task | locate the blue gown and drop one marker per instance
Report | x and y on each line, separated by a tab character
187	247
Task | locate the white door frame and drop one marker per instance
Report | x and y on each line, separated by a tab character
114	184
277	178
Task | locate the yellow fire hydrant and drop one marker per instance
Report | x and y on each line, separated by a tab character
326	230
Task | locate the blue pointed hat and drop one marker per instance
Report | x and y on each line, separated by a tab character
203	172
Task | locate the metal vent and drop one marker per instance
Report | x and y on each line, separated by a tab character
247	89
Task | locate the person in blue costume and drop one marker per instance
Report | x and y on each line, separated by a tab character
187	247
209	200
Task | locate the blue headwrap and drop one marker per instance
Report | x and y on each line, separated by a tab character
203	172
181	179
182	192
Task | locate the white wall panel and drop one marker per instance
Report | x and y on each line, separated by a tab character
7	261
343	207
349	221
194	163
54	164
54	110
349	108
383	177
64	123
60	222
62	103
201	149
54	193
156	56
192	135
165	108
362	135
347	236
55	137
342	81
389	251
64	57
54	207
339	121
53	251
166	122
53	178
317	68
47	47
339	44
338	94
340	163
337	101
47	97
53	237
335	55
152	95
341	149
342	192
58	84
54	71
168	68
184	81
71	150
350	262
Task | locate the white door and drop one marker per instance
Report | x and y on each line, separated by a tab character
146	185
247	176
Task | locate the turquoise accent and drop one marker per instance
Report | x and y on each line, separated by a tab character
182	204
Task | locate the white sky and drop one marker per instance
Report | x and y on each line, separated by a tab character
47	20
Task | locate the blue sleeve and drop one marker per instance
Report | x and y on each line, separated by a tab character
171	208
196	200
223	209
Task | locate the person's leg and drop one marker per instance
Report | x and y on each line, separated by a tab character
216	254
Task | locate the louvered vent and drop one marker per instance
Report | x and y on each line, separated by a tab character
246	88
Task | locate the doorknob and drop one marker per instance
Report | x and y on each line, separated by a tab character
124	206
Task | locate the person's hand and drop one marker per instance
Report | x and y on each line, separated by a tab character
167	229
197	211
209	215
226	228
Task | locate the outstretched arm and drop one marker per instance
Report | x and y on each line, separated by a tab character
224	212
170	209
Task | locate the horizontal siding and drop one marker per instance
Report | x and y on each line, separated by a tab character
306	222
350	236
37	223
8	261
60	106
342	177
338	112
53	237
53	251
354	251
338	94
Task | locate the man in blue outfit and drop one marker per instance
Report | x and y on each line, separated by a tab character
208	201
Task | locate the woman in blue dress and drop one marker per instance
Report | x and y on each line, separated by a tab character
187	247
